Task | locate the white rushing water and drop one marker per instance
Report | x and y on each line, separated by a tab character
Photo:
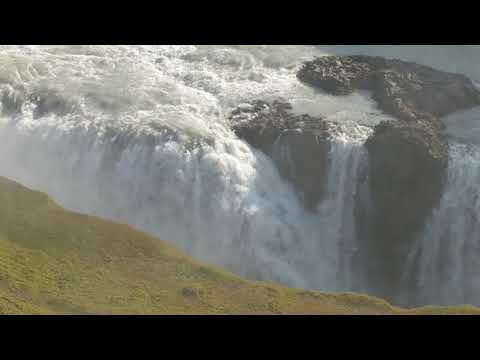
139	134
446	260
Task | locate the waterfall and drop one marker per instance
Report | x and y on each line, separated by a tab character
445	262
139	134
219	200
336	216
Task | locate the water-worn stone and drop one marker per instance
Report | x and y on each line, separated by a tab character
407	169
408	158
298	144
403	89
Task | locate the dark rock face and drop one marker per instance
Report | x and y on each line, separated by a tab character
405	90
302	158
407	158
261	123
298	144
407	165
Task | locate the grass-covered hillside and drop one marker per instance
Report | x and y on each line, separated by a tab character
53	261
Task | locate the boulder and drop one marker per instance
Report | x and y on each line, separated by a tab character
260	124
298	144
301	157
405	90
407	170
408	158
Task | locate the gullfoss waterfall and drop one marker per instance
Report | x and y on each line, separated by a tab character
139	134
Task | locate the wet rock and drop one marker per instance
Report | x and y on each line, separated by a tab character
405	90
407	170
298	144
261	123
408	158
302	158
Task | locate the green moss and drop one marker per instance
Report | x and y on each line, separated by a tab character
55	261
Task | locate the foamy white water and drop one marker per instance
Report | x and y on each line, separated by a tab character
139	134
142	137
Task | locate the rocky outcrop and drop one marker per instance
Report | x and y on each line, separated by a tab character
302	158
407	158
298	144
260	124
407	164
407	168
405	90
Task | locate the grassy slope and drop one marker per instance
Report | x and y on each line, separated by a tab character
55	261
